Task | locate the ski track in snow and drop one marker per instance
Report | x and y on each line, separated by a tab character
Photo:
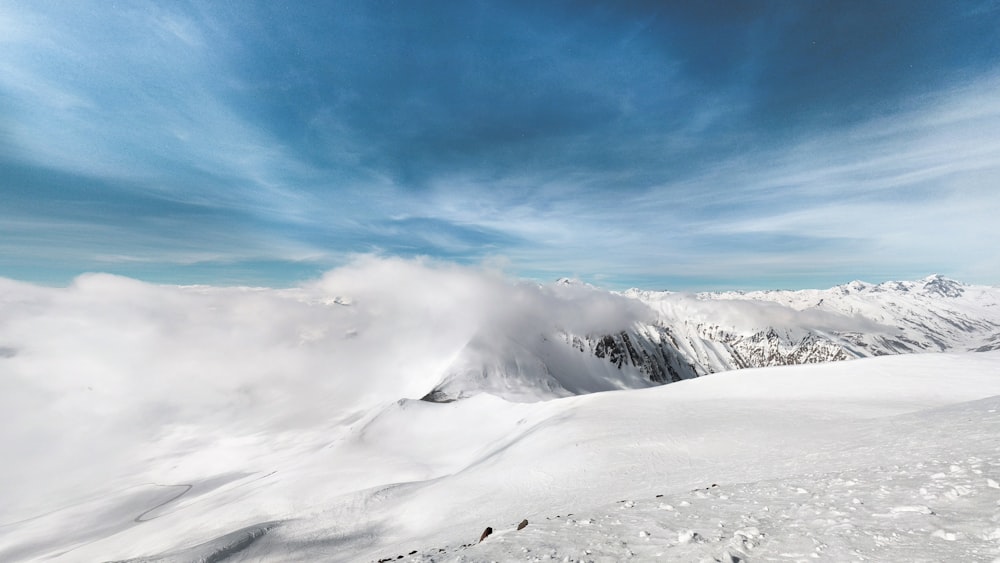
142	517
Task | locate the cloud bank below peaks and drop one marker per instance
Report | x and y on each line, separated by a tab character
748	314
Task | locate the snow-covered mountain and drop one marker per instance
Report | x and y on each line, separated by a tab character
690	335
730	330
560	364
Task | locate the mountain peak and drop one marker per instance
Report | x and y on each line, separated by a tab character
854	287
939	285
573	282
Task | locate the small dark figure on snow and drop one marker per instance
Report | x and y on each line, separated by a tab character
486	533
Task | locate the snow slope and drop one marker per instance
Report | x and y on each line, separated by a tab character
911	438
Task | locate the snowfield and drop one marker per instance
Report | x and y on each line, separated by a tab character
152	423
892	458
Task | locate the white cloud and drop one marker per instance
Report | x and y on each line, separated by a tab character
745	315
110	365
912	192
154	114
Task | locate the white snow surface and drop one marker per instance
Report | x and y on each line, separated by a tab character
892	458
152	423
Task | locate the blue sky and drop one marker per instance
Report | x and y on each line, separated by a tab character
670	145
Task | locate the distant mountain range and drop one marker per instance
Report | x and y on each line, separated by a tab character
691	335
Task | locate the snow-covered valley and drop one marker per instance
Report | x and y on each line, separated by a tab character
206	424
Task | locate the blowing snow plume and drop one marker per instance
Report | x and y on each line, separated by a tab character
109	364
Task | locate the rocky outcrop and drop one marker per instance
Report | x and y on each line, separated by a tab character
653	355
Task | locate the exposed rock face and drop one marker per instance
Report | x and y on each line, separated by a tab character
767	348
666	356
649	351
942	286
992	343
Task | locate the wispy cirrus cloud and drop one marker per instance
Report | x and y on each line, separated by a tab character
892	194
664	145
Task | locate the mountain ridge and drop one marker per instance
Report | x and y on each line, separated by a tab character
692	335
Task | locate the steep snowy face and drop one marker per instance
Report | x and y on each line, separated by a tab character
559	364
731	330
942	286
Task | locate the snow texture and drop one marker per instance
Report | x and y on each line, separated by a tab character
868	460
